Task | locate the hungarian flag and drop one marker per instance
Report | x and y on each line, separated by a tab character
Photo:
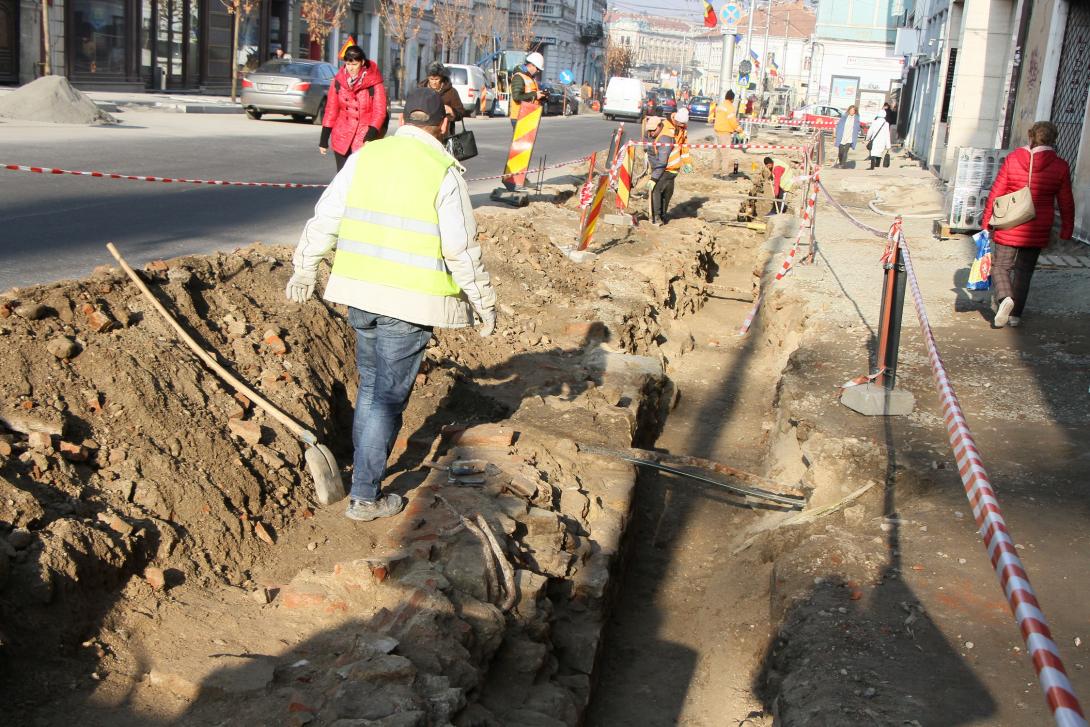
710	19
347	44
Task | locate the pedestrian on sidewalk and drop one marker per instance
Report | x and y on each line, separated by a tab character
1016	249
891	119
406	260
727	129
878	141
438	80
355	107
783	181
670	156
847	134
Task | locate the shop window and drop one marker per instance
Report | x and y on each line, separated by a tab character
99	43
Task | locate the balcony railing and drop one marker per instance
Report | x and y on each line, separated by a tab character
590	32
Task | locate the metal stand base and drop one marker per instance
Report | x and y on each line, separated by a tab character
873	400
517	198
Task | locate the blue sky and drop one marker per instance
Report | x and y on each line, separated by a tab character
680	9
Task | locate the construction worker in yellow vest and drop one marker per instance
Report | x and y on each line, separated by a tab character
524	86
727	129
783	181
406	260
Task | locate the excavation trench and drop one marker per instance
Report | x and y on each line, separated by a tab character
163	558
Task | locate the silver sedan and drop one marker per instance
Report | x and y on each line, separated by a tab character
297	88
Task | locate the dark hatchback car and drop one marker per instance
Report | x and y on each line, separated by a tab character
296	88
555	101
667	101
700	108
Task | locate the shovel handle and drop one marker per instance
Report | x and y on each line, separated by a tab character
293	426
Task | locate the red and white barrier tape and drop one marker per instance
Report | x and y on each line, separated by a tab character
551	166
993	529
789	259
181	180
220	182
1011	573
781	147
840	208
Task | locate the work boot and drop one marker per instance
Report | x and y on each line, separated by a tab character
1004	313
384	506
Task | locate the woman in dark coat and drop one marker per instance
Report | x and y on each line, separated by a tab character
355	108
1016	249
439	81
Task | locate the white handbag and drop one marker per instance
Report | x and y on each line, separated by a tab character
1014	208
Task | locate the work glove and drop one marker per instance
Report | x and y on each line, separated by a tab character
371	135
488	323
649	184
687	169
300	286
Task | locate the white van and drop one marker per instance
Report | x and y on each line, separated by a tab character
468	82
624	97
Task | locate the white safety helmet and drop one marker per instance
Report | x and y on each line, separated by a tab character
682	116
536	59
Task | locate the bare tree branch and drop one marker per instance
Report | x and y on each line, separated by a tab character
321	17
237	9
452	22
489	21
522	30
401	18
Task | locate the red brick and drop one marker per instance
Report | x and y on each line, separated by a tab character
5	310
73	452
294	598
27	404
248	431
5	445
275	343
97	321
157	266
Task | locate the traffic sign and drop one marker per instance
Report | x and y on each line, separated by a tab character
730	14
566	77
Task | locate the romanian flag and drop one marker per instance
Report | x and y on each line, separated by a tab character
772	67
347	44
710	19
756	58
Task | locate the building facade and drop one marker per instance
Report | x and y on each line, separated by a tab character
981	72
662	48
780	58
853	58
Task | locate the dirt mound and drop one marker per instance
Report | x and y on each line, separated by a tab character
52	99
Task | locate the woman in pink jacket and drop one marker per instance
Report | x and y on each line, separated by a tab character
1016	249
355	109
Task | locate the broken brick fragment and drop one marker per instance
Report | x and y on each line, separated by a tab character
262	534
73	452
275	343
248	430
155	578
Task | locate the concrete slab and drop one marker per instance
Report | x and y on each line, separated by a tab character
873	400
517	198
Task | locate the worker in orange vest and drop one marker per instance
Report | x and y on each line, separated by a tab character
524	88
727	129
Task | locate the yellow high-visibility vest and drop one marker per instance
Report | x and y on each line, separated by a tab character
389	234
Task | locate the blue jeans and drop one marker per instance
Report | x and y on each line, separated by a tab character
388	355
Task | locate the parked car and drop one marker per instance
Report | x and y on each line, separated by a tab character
296	88
700	108
667	101
554	101
624	97
468	81
817	113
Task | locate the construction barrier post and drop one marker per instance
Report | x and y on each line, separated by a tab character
590	221
876	396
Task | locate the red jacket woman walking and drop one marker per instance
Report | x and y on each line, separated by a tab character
355	109
1017	248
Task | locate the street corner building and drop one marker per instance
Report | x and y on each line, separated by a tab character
136	44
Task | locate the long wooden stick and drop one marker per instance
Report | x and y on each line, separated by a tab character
293	426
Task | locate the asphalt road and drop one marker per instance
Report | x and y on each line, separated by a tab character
56	227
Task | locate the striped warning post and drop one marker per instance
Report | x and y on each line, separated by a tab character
624	176
590	223
522	144
998	542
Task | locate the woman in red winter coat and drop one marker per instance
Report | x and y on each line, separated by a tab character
1016	249
355	109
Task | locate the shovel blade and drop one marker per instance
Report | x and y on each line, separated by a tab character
326	475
